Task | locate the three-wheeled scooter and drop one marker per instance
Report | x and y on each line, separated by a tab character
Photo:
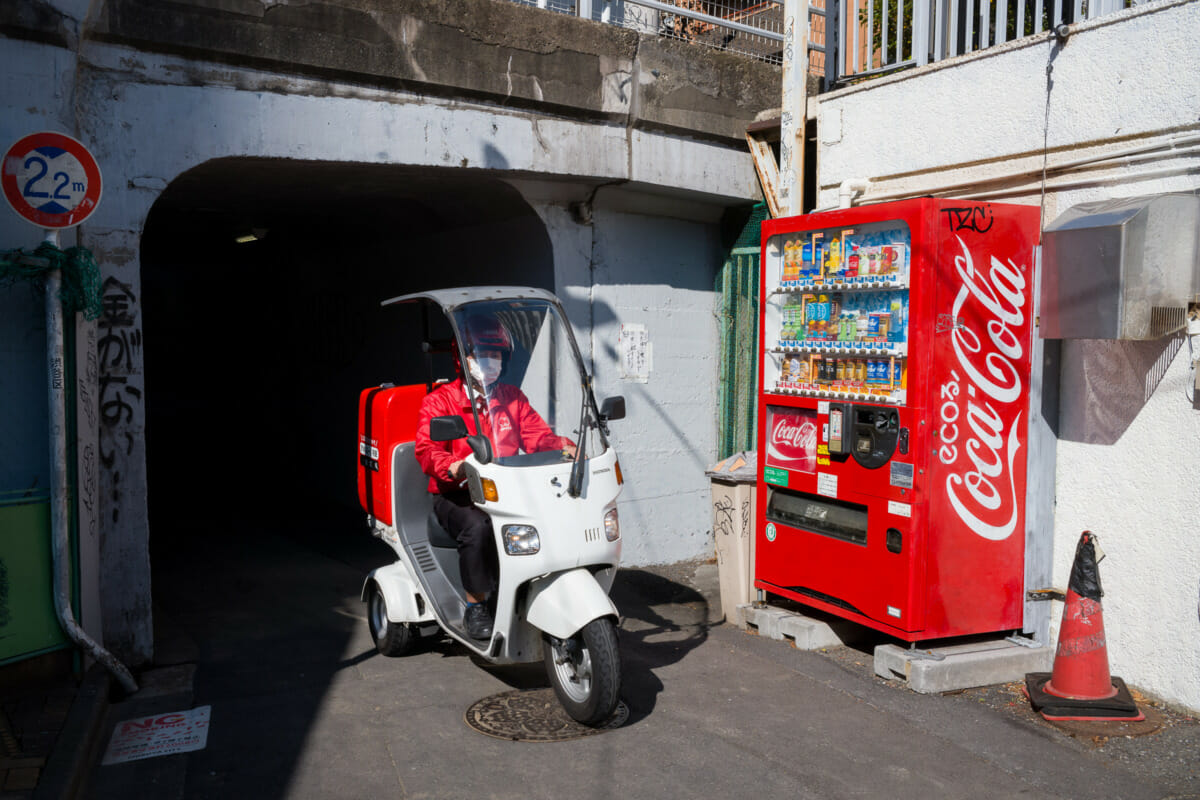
553	513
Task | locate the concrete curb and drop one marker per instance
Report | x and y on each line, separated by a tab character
66	770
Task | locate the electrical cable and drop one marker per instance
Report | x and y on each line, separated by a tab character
1193	332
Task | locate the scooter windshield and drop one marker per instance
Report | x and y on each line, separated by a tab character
526	382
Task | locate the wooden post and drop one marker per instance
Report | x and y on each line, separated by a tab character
795	107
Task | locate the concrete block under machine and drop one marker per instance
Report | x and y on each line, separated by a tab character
961	666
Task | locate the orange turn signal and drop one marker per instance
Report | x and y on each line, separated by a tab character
620	477
489	490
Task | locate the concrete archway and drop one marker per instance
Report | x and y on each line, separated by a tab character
255	352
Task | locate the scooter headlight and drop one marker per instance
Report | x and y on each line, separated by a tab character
612	529
521	540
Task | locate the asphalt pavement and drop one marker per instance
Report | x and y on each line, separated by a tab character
262	623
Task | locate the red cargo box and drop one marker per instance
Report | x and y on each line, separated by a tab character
387	416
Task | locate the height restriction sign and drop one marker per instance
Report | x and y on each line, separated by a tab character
51	180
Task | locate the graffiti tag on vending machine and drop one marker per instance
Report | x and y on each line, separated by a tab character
983	491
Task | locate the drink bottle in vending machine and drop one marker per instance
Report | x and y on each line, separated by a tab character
893	414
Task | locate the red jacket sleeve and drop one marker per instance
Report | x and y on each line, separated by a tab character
435	458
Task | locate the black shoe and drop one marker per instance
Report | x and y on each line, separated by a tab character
478	622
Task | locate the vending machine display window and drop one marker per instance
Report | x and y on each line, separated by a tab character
837	311
818	514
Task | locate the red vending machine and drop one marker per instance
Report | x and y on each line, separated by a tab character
893	409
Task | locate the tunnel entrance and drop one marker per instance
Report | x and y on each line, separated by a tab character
262	282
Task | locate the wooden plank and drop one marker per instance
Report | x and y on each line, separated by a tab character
765	165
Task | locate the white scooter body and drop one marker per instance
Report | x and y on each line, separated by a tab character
552	600
558	590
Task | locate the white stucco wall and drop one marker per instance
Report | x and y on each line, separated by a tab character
653	268
1128	447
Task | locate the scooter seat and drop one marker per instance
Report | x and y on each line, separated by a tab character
438	536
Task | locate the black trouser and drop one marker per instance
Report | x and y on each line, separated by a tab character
472	529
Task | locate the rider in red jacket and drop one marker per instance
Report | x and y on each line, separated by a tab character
511	424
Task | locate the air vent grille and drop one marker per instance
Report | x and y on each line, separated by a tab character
424	558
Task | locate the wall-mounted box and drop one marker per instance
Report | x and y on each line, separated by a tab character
1121	269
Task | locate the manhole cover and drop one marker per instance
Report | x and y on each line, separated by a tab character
1089	729
533	716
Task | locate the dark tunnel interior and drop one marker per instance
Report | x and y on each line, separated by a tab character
256	350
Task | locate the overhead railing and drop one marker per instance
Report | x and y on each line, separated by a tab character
751	28
874	37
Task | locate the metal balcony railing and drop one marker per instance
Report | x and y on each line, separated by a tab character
881	36
874	37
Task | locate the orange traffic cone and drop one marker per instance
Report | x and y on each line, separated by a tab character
1080	687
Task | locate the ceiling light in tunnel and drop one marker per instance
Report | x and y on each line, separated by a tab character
252	235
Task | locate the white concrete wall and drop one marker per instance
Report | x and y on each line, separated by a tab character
1128	449
657	273
651	262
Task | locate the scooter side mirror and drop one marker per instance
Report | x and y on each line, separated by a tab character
613	408
446	429
481	446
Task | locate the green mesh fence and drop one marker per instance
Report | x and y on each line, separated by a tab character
80	275
737	287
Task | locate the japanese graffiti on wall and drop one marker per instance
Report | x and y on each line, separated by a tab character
119	352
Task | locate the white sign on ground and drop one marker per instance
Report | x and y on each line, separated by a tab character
159	735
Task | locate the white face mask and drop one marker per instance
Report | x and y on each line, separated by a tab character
484	369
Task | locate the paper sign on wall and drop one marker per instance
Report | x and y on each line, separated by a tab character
637	354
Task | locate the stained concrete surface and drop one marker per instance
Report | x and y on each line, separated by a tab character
303	707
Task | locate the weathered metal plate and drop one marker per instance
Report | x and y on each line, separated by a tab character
533	716
1088	729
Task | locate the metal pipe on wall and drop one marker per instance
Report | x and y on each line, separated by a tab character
794	115
60	538
1184	145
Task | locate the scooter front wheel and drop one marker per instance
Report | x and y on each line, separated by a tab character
585	671
391	638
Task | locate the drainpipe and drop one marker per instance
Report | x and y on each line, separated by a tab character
849	188
58	482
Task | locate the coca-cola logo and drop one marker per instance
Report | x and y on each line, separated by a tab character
979	414
793	440
794	437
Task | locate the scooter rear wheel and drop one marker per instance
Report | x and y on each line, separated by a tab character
585	671
391	638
